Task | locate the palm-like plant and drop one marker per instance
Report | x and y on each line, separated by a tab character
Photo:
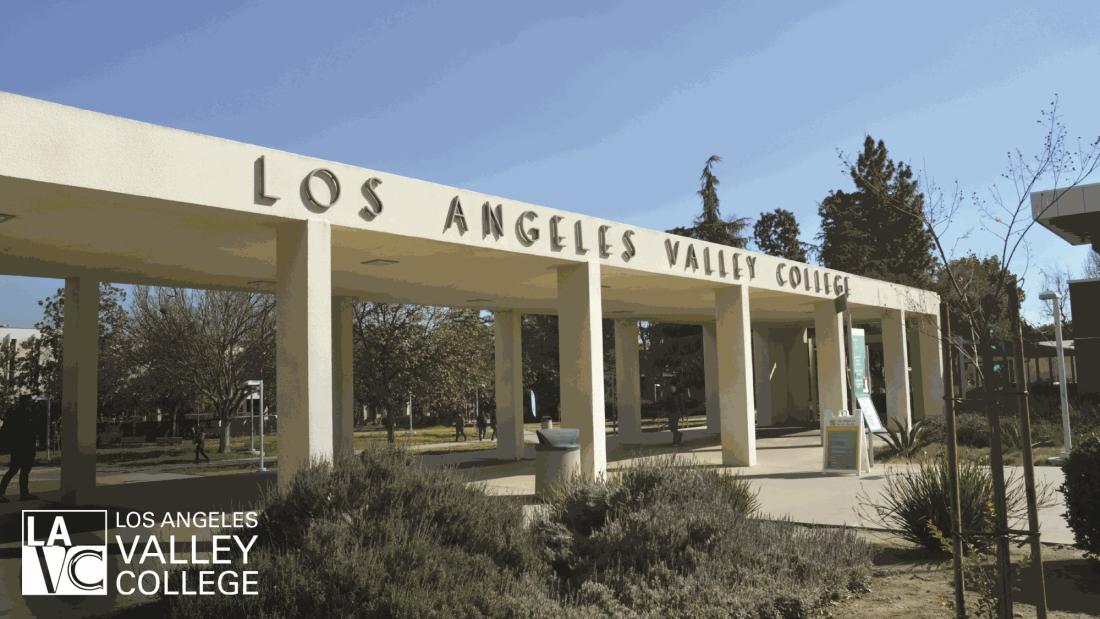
905	443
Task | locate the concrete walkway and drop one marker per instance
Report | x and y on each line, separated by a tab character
789	480
787	477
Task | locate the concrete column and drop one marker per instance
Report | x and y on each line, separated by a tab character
832	381
895	360
628	380
790	374
580	358
735	382
79	389
710	378
762	368
303	370
508	329
929	357
343	388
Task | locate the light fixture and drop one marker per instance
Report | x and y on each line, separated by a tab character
477	300
261	282
604	286
380	262
6	217
1048	296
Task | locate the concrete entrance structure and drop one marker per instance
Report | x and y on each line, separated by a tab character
88	198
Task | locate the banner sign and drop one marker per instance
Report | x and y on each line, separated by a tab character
861	381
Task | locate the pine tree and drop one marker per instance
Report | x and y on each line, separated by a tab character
877	230
776	234
710	225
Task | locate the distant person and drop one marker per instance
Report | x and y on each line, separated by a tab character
460	427
674	415
200	444
493	426
19	441
482	424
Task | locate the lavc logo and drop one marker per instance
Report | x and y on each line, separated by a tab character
53	564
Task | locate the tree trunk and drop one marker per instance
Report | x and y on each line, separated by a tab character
223	440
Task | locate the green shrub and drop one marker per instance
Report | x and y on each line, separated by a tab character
1082	491
381	536
934	429
671	540
972	430
915	503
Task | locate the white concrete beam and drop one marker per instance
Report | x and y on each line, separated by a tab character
508	329
735	381
832	380
628	385
710	378
303	370
343	377
580	356
79	389
895	359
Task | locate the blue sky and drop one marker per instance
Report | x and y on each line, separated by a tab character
607	108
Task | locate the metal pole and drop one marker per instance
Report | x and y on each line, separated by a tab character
1067	436
952	460
1024	409
868	454
997	471
251	426
49	433
263	467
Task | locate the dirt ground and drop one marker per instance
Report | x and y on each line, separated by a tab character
915	583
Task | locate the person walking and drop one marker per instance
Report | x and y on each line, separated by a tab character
481	425
493	426
675	412
460	427
200	444
19	441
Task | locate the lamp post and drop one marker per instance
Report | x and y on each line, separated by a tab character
49	432
1067	436
251	425
260	384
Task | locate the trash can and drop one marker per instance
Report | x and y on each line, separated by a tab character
557	457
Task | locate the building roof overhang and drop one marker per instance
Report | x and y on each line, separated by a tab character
1071	213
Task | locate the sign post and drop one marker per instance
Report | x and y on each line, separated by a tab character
861	391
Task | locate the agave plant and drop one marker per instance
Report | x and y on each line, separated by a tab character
905	443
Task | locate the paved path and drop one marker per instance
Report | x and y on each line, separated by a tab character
788	477
790	483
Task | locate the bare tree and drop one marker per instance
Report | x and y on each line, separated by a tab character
1056	280
1007	218
1092	266
206	343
